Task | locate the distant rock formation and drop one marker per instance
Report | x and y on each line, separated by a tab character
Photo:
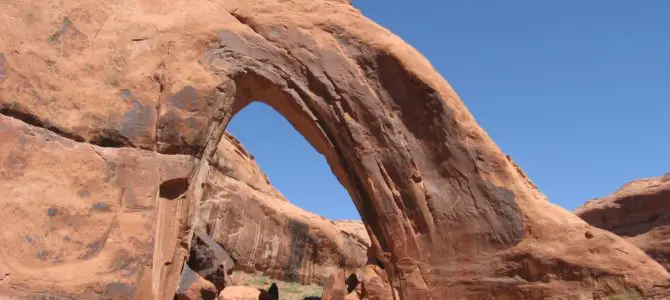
640	212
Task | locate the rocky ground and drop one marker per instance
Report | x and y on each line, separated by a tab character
287	290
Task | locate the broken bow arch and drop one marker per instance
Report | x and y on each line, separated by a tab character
448	213
416	172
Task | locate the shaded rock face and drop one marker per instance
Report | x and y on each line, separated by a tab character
375	284
638	211
80	217
210	261
199	289
159	80
266	233
369	282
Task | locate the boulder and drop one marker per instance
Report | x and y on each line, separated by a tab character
640	212
249	293
150	86
239	293
210	260
200	289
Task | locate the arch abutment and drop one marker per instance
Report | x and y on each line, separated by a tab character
185	220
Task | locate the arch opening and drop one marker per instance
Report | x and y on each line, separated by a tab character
310	119
289	244
325	124
291	164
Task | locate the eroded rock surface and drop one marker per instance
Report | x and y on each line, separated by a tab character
640	212
449	213
79	220
266	233
369	282
375	284
198	289
335	287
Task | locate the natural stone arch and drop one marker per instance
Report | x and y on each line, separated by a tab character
383	139
375	182
449	213
371	156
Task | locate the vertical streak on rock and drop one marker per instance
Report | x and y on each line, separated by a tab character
183	216
165	269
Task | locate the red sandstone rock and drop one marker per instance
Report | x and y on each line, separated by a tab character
656	243
200	289
248	293
375	284
372	285
638	211
239	293
80	217
335	287
263	232
450	214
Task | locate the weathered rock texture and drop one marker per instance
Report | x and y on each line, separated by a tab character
450	214
79	220
375	284
208	260
264	232
335	287
638	211
199	289
369	282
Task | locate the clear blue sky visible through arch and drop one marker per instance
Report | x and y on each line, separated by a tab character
293	166
578	92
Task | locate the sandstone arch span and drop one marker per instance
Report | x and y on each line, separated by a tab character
448	213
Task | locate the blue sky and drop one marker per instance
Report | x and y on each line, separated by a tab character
578	92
